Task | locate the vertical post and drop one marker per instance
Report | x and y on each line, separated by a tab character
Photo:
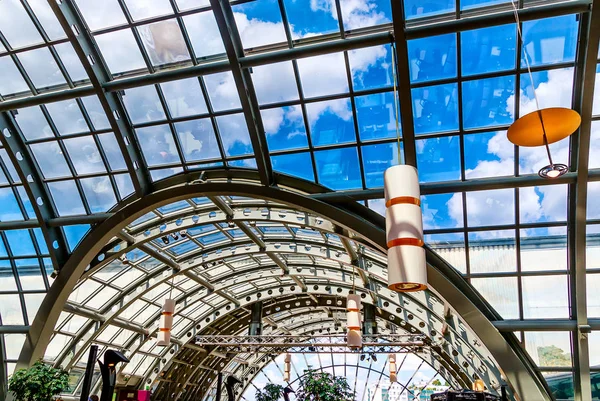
89	373
255	328
219	385
369	324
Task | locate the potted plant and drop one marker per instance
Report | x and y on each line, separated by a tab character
40	382
322	386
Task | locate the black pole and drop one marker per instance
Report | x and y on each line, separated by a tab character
229	385
504	393
108	370
89	373
219	384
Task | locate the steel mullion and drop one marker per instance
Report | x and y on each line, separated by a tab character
136	36
184	33
174	134
19	66
11	51
340	19
14	188
17	278
213	120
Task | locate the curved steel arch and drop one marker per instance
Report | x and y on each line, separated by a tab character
519	370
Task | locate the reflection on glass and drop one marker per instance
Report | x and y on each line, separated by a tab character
143	104
376	159
544	251
442	211
275	82
222	91
549	349
67	117
331	122
550	40
485	102
323	75
438	159
435	108
309	18
338	168
233	130
259	23
545	297
297	165
164	42
488	154
204	34
376	116
432	58
488	49
157	145
419	8
451	247
12	81
84	155
502	293
41	68
124	57
371	67
492	251
51	160
284	128
66	198
184	97
493	207
99	193
197	139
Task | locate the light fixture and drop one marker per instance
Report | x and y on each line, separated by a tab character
478	385
286	367
542	126
393	370
407	270
354	335
166	322
165	240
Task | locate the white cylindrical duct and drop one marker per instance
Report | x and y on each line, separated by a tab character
286	376
407	269
353	302
166	322
353	320
354	338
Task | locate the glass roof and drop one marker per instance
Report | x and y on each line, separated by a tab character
303	89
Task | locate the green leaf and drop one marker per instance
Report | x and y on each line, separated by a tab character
40	382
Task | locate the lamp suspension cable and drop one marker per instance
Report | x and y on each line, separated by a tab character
396	102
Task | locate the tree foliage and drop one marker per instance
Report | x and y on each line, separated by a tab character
271	392
38	383
322	386
551	355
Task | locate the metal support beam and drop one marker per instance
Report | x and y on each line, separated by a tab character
369	323
243	80
256	311
30	175
84	44
98	317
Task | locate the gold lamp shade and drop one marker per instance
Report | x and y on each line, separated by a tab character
559	123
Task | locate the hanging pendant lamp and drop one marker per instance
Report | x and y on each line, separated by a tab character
287	367
354	335
542	126
407	269
478	385
166	322
393	374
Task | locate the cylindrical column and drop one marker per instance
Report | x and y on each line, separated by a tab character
166	323
393	369
353	324
407	270
89	373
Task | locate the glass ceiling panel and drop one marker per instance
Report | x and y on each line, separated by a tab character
123	58
12	81
259	23
17	26
204	34
41	68
309	18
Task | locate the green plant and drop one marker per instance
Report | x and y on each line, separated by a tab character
271	392
40	382
322	386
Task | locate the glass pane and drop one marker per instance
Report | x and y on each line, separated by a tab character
488	49
99	193
494	207
10	210
450	247
158	145
442	211
234	135
10	310
371	67
502	293
331	122
488	154
323	75
492	251
466	4
338	168
66	198
204	34
12	81
297	165
140	9
419	8
284	128
32	304
310	18
435	108
143	104
112	151
275	83
376	116
198	140
124	57
67	117
16	25
164	42
259	23
549	349
41	68
46	16
71	61
124	185
51	160
543	204
95	112
184	97
545	297
376	159
438	159
20	242
485	102
550	40
360	15
544	252
222	91
30	274
432	58
101	14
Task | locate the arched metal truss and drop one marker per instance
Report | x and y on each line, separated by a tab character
220	298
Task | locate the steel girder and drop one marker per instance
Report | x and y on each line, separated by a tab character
85	46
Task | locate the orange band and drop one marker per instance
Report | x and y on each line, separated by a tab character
403	199
405	241
163	329
167	313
